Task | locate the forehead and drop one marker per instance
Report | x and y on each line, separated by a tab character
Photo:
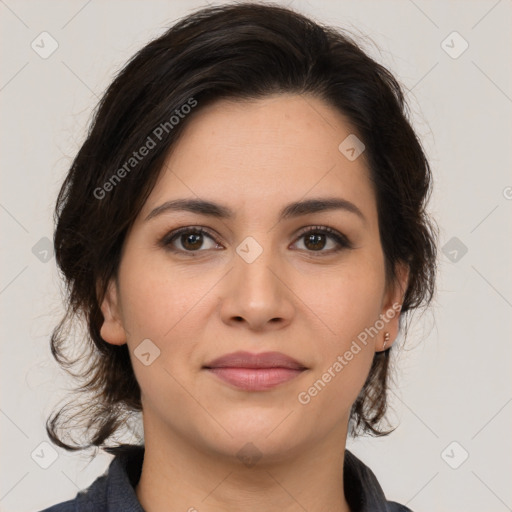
277	149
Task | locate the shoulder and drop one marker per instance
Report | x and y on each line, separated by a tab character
114	490
92	499
65	506
396	507
362	489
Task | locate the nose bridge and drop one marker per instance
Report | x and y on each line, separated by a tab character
254	266
255	292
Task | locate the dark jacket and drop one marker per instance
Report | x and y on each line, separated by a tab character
115	490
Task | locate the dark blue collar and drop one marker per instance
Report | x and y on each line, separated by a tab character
115	490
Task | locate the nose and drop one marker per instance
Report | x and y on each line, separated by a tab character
256	294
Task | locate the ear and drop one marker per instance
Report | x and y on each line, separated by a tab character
391	307
112	330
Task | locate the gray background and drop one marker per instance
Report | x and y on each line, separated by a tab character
454	373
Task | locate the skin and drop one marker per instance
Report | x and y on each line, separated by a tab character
254	157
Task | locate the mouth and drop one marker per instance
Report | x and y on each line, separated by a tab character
255	372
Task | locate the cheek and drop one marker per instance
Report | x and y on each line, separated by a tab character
165	306
345	300
154	301
348	304
160	309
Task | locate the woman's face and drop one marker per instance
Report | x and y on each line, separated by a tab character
255	282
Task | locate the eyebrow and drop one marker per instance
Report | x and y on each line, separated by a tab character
292	210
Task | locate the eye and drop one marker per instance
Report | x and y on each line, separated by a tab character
190	238
315	239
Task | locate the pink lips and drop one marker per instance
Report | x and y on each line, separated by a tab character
255	372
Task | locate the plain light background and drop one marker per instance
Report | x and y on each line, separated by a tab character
453	380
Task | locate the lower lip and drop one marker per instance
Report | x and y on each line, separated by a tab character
255	379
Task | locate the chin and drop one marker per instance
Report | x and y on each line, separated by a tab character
258	433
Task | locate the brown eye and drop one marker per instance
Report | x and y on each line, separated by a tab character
190	240
314	241
316	238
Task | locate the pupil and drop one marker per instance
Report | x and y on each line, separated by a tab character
191	241
317	240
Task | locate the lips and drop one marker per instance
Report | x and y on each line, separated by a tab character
255	372
255	361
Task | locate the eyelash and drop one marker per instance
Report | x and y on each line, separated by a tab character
342	241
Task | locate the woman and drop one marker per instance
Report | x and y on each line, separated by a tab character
243	231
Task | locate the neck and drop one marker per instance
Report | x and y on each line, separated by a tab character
176	476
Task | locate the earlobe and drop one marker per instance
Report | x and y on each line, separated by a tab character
112	330
386	340
392	307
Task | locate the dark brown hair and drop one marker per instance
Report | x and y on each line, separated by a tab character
237	51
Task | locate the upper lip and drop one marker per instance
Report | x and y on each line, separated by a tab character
249	360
